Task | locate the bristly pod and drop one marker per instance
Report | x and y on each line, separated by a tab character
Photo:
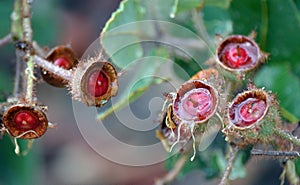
64	57
252	117
95	82
238	55
25	121
195	101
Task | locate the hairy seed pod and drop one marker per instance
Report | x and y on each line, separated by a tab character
94	82
24	121
61	56
252	117
195	101
239	54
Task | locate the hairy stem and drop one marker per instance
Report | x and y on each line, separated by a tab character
27	37
171	175
63	73
232	155
271	153
29	71
287	136
38	50
288	116
16	18
26	20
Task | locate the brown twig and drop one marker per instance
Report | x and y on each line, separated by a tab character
28	58
63	73
171	175
232	155
271	153
5	40
287	136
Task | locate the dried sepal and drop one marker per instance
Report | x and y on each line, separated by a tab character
62	56
172	133
94	82
25	121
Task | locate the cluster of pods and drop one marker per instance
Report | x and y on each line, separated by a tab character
251	117
92	82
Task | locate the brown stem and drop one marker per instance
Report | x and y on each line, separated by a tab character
232	155
5	40
63	73
171	175
28	58
26	20
271	153
38	50
287	136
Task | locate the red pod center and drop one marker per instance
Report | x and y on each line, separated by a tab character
195	104
26	120
236	56
247	112
97	84
62	62
238	53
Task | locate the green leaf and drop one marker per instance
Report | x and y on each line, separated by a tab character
241	11
185	5
238	170
277	24
284	45
281	80
18	169
184	68
224	4
189	166
297	165
217	21
121	40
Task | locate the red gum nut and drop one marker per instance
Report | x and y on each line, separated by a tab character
61	56
238	53
25	122
195	101
98	82
248	108
62	62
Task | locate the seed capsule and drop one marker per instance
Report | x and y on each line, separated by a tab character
195	102
95	82
252	117
24	121
61	56
248	108
239	53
